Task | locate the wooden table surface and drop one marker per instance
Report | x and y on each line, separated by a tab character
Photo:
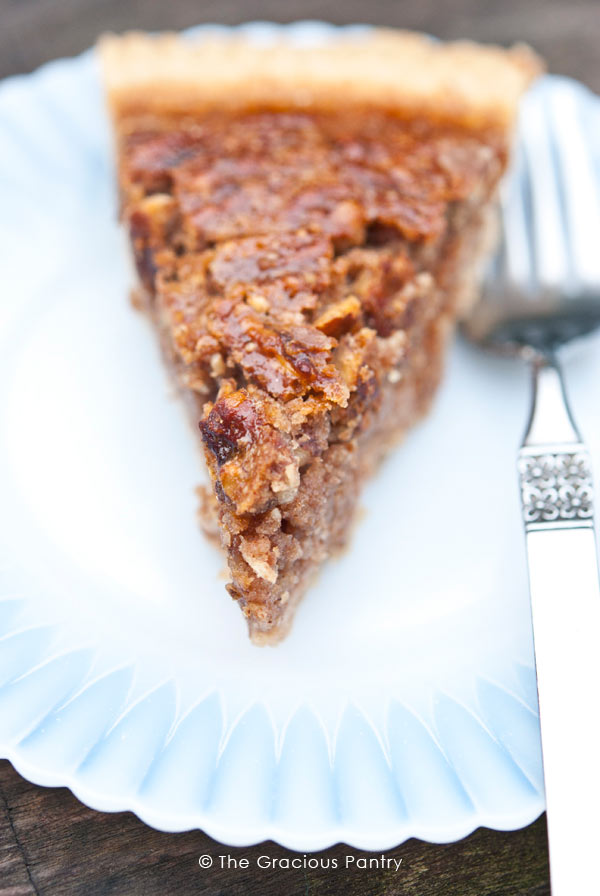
50	844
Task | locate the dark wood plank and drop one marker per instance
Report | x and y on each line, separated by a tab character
55	846
566	33
49	843
15	877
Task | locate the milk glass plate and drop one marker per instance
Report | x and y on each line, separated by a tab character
403	703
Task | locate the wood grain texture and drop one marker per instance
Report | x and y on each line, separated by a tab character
566	32
52	845
49	843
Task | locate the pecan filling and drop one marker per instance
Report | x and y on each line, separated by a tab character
303	269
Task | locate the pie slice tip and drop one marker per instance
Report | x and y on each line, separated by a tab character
306	225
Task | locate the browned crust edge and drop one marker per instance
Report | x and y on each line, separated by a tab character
397	70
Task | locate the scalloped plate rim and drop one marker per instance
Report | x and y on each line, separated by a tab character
244	836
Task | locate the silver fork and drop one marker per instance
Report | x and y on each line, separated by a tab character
543	290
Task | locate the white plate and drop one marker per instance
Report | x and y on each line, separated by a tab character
402	704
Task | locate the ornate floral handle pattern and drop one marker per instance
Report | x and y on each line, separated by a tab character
556	496
556	486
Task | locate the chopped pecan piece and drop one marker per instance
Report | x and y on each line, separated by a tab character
253	464
339	318
305	237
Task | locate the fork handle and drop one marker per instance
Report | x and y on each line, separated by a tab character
557	502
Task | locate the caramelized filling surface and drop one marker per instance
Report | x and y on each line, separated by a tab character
302	269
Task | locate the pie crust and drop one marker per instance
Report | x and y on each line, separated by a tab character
307	226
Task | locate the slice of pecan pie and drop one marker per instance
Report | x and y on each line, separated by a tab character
307	224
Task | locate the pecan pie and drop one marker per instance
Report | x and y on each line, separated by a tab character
307	225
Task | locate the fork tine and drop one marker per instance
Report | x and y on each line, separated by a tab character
515	248
551	262
544	289
580	184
